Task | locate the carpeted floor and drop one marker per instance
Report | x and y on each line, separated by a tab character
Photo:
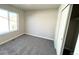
28	45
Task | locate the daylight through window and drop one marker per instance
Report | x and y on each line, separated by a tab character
8	21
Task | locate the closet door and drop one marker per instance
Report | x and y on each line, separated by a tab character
63	29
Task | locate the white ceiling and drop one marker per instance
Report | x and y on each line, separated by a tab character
36	6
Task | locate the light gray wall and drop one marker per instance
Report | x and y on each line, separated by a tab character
41	23
8	36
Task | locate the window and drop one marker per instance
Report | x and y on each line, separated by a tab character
3	21
8	21
13	21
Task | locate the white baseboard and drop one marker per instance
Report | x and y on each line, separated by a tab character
11	39
39	36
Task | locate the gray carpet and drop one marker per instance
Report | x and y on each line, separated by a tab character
28	45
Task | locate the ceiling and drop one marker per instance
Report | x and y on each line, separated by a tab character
36	6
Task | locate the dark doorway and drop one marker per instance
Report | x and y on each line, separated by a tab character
72	31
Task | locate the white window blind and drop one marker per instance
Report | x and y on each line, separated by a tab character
4	28
13	21
8	21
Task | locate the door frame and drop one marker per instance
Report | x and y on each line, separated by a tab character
67	25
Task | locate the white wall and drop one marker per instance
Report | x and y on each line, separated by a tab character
57	26
9	36
76	50
41	23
